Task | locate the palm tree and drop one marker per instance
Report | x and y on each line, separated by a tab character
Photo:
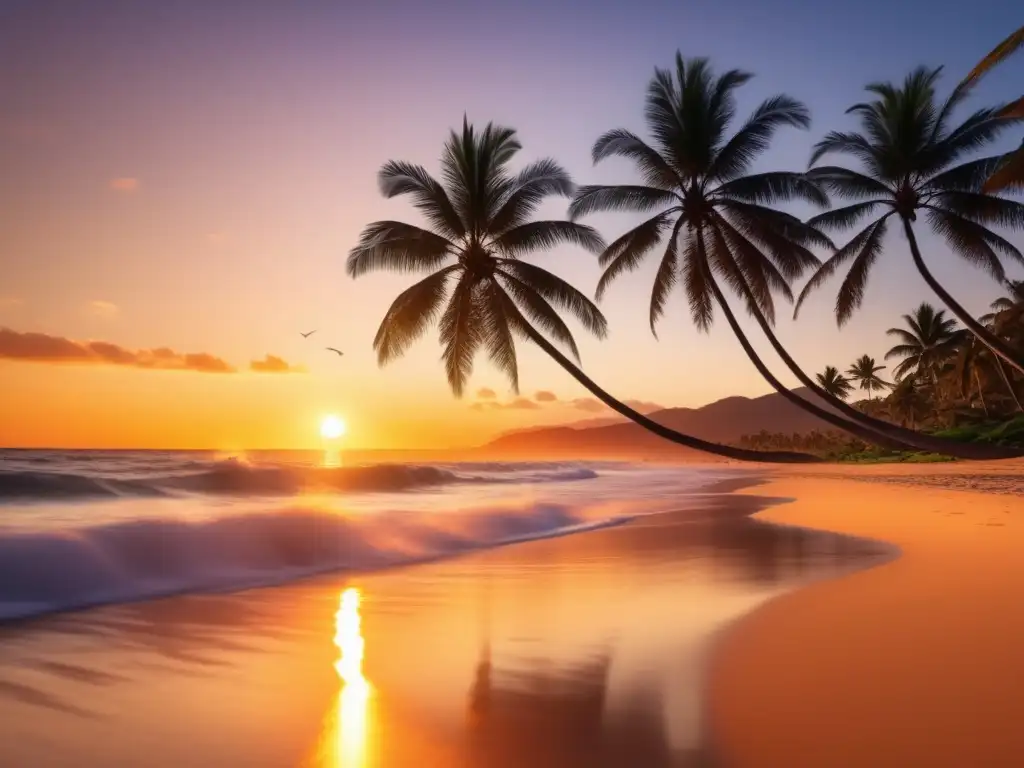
907	402
907	151
866	372
929	339
718	217
1013	299
698	179
833	382
1011	173
479	290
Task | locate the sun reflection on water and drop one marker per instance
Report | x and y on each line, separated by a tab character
345	739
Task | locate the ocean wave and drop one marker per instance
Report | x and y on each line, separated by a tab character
236	478
46	572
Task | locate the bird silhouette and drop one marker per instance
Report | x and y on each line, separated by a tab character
332	349
307	335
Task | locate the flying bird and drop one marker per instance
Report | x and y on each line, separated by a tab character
332	349
307	335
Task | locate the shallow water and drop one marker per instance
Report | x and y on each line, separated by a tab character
586	650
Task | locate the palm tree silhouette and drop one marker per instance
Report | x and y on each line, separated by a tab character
699	179
833	382
480	228
717	216
929	339
907	150
1013	299
866	372
1011	173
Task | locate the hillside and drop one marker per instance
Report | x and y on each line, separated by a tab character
722	421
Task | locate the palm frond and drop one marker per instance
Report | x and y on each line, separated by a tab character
396	246
967	239
982	208
755	135
968	177
594	198
410	314
781	234
844	143
847	184
745	276
537	181
997	55
698	291
665	278
401	178
497	333
539	311
1010	175
538	235
774	187
558	292
851	292
461	333
654	170
843	218
628	251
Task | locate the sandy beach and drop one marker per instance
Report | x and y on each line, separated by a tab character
914	662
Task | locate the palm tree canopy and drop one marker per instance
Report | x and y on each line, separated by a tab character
928	339
696	182
1014	297
833	382
911	159
478	289
866	372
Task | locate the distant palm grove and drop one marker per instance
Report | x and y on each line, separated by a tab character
952	383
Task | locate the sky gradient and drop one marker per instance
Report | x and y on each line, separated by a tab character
185	179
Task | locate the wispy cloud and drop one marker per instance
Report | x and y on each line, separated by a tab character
274	364
43	348
592	405
10	303
125	184
519	404
486	394
104	309
545	396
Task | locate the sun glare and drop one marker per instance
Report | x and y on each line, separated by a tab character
332	427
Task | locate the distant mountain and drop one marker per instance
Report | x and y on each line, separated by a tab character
722	421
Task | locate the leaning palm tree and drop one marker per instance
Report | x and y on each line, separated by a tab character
929	339
833	382
479	290
720	224
866	373
719	218
1011	173
907	151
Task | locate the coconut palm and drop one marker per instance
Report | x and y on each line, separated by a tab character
1011	173
717	216
833	382
929	339
908	403
908	151
1014	297
865	371
719	223
480	292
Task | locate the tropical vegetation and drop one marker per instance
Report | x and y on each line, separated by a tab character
717	229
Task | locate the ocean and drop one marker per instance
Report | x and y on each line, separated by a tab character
86	528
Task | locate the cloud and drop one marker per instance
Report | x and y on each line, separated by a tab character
519	404
11	302
104	309
274	364
125	184
592	405
545	396
486	394
43	348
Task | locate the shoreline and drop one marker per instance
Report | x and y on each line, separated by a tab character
910	661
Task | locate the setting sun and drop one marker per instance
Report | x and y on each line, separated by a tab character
332	427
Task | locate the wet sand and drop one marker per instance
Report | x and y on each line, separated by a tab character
917	662
586	650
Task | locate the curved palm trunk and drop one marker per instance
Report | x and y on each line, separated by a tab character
981	392
907	438
1009	385
741	454
990	340
833	419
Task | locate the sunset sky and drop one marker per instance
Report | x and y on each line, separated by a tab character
182	181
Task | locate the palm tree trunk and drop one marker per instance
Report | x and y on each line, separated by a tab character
835	420
1009	385
987	338
907	437
981	393
741	454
